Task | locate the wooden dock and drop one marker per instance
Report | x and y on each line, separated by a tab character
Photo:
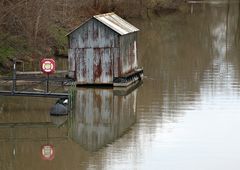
30	79
128	79
34	94
39	72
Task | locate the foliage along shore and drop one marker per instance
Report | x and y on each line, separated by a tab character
32	29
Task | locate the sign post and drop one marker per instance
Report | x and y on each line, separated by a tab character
48	66
14	77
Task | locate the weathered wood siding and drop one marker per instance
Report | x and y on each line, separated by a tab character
95	65
93	47
71	63
126	62
93	34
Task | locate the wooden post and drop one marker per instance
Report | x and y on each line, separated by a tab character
47	83
14	76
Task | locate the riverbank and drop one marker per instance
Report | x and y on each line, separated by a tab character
33	30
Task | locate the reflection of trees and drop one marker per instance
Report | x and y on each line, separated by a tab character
237	38
178	52
174	59
179	57
233	35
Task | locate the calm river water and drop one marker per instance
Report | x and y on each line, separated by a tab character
184	116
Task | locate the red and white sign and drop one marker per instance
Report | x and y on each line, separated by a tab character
47	152
48	65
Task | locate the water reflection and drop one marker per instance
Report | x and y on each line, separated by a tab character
102	115
188	110
26	126
59	120
185	116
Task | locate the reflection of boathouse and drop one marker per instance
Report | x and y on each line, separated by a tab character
102	115
103	50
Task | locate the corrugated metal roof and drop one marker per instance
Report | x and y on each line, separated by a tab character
114	22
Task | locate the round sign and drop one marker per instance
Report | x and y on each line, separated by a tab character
48	65
47	152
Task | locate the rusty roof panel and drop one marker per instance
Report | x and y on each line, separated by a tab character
116	23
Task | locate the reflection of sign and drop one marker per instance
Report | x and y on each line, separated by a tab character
47	152
48	65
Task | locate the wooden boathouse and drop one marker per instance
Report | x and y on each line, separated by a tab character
103	50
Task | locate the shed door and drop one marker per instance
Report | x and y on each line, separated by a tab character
102	65
94	66
84	65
